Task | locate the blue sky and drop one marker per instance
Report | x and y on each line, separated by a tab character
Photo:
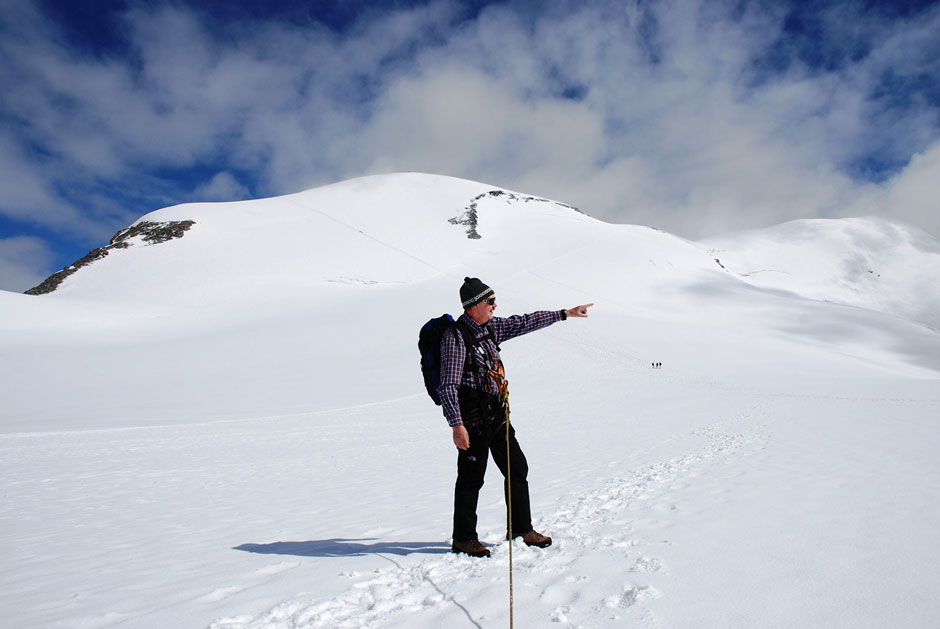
693	117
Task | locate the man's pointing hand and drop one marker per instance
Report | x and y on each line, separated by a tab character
578	311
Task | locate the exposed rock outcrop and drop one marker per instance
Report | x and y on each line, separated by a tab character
151	233
470	216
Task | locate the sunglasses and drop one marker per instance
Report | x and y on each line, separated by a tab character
490	300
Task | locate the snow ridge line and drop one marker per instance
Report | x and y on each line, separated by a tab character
578	526
373	238
201	424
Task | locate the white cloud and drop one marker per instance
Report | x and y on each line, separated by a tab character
913	196
23	263
455	119
27	194
222	187
678	144
646	113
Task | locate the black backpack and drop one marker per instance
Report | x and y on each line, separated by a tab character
429	345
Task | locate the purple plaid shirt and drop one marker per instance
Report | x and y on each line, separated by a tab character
454	352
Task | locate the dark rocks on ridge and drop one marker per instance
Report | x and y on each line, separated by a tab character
151	233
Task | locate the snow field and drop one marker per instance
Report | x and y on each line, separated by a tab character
229	430
333	519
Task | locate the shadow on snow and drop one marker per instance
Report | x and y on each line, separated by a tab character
339	547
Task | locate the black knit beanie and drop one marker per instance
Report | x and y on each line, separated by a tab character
473	292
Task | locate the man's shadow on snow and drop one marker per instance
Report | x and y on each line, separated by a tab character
339	547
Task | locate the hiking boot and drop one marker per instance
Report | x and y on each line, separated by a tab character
471	547
534	538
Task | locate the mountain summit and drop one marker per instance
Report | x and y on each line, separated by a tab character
270	305
392	229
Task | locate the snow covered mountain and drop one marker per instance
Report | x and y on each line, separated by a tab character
223	380
864	262
303	288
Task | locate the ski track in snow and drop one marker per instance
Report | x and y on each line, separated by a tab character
623	520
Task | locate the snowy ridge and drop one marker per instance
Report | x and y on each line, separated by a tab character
229	430
146	232
249	278
864	262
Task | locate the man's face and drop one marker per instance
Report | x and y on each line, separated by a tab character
483	311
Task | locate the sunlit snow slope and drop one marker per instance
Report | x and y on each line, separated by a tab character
274	306
864	262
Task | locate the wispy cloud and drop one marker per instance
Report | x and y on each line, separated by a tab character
21	261
696	117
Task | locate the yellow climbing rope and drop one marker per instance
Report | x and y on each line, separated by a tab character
505	396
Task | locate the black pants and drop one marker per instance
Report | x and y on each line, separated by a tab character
486	424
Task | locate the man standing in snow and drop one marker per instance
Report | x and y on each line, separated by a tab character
471	392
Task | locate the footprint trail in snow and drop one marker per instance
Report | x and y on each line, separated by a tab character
606	539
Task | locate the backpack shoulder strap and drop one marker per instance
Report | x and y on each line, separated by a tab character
470	339
469	342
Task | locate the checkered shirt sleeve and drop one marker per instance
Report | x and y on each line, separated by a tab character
453	353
